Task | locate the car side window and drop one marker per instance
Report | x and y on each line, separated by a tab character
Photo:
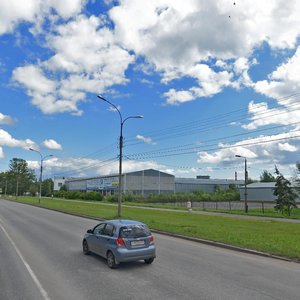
99	229
109	230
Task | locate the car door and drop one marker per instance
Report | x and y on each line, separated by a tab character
94	238
105	239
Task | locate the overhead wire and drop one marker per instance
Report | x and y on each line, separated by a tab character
201	126
184	147
216	120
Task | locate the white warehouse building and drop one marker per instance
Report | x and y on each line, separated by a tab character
261	191
147	182
140	182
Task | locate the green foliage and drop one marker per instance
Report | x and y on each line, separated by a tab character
285	195
111	198
267	177
89	196
219	195
63	188
47	187
18	179
232	187
298	177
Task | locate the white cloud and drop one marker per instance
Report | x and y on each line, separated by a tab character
268	148
1	153
52	144
176	36
261	115
4	119
35	12
146	140
284	81
210	83
83	167
287	147
87	59
7	140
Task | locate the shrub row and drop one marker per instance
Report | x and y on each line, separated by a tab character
94	196
227	195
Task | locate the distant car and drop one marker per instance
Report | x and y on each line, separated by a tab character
120	241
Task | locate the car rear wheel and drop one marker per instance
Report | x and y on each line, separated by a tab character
85	247
111	262
149	261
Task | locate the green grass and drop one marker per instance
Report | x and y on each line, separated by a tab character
277	238
268	212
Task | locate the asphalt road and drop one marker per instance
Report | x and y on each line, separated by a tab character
41	258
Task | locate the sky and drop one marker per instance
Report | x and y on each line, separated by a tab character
212	80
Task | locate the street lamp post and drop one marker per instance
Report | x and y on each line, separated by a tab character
41	169
246	179
121	150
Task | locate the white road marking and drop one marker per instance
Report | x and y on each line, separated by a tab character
33	276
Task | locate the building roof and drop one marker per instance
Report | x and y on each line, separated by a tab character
265	185
147	172
261	185
208	181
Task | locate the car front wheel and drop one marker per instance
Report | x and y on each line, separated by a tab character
111	262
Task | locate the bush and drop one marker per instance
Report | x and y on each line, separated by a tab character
218	195
91	196
111	198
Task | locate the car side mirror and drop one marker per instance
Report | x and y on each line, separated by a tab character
90	231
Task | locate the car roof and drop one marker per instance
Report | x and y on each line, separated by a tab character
124	222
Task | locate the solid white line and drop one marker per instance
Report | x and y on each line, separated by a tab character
33	276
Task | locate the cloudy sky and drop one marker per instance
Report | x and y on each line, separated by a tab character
213	79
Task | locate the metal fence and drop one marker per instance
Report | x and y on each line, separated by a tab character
225	205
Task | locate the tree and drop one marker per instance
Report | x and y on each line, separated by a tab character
297	177
47	187
3	182
267	177
20	175
286	197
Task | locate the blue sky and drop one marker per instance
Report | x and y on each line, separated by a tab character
212	80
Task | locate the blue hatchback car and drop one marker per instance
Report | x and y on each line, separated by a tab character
120	241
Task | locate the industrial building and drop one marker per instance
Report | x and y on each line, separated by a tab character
140	183
60	181
203	183
261	191
146	182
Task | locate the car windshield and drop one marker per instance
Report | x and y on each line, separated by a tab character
134	231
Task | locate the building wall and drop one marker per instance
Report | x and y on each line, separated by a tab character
148	182
258	194
189	185
76	185
142	183
261	192
59	181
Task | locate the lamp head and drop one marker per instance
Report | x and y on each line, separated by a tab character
101	97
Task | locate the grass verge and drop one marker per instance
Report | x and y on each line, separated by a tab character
276	238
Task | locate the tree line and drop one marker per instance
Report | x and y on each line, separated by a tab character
20	180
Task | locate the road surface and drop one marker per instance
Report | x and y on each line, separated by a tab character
41	258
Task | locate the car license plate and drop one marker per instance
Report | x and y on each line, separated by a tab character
137	243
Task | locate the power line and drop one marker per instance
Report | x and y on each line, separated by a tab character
184	147
217	148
